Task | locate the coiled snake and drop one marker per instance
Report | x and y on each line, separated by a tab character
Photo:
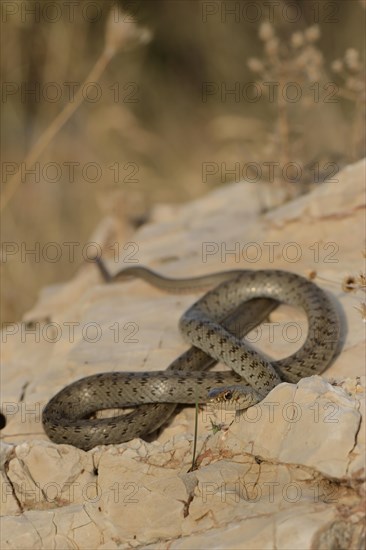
214	325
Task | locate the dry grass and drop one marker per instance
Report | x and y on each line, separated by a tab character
152	120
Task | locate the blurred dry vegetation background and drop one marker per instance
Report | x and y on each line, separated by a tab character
164	109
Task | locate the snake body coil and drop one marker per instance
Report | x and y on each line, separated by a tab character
214	326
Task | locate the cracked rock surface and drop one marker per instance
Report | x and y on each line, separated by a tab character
288	473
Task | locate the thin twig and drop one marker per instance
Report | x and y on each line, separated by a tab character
55	127
193	467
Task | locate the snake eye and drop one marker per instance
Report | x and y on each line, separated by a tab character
228	395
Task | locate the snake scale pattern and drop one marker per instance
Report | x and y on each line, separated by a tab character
214	326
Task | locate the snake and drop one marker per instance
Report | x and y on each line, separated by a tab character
236	302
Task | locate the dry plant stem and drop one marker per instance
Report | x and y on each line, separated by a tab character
358	138
283	129
194	466
55	127
356	143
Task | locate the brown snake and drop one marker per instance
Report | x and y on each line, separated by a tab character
214	325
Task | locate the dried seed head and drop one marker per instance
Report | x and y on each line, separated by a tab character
122	33
297	39
271	47
337	66
362	309
266	31
361	281
351	59
316	57
348	284
312	274
312	34
313	74
255	65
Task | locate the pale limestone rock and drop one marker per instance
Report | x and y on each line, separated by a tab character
276	476
316	426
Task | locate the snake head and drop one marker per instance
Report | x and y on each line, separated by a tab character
232	398
227	397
